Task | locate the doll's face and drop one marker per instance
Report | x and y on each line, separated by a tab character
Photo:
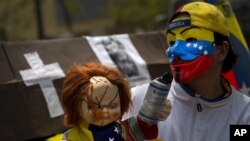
106	101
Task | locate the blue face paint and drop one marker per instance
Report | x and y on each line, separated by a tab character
188	51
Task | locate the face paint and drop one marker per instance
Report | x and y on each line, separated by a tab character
197	56
185	71
190	59
106	101
188	51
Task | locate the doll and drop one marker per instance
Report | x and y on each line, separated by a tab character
94	98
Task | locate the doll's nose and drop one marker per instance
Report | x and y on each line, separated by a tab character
105	113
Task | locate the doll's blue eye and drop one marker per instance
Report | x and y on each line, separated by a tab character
113	105
110	106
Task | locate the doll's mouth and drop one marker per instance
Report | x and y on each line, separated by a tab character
102	122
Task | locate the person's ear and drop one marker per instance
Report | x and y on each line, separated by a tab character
222	50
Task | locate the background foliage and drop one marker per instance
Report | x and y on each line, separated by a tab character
139	14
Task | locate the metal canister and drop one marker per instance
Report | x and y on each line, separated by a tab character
155	98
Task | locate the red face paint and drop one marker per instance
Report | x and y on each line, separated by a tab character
183	71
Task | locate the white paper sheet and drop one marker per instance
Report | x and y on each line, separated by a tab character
118	51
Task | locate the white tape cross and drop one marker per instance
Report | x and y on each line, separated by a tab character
44	75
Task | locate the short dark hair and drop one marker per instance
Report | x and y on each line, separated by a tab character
231	57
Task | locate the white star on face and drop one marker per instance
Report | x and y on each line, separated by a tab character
116	130
200	47
205	52
188	44
195	45
111	139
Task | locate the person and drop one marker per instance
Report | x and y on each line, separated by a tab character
94	98
120	57
204	104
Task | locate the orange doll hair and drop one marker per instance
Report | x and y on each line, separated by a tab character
77	84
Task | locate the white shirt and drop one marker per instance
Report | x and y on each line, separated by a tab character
186	123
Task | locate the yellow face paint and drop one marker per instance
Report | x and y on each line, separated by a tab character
189	33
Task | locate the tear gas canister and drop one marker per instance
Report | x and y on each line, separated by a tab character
155	98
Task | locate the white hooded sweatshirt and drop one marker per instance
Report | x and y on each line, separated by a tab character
194	118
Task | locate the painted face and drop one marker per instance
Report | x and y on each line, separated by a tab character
105	99
190	52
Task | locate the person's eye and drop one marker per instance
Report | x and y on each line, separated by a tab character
191	39
171	38
171	43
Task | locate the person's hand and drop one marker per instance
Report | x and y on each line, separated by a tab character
165	110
